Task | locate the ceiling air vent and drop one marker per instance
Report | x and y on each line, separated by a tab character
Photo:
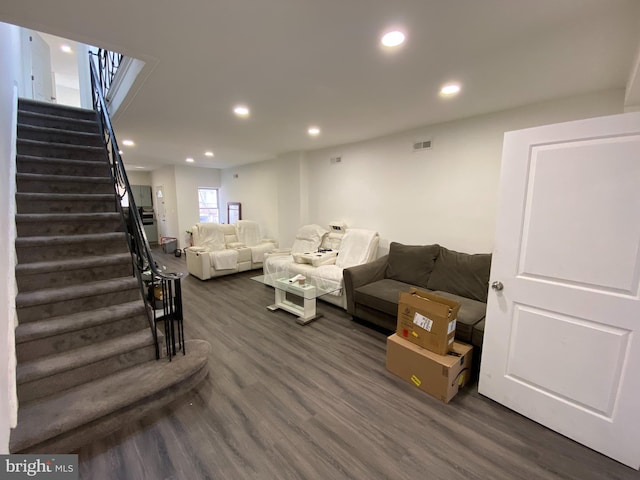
424	145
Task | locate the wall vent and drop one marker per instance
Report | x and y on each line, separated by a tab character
423	145
334	160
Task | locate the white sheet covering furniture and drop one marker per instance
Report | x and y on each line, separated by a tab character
355	247
220	249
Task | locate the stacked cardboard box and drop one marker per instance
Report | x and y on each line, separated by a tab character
423	350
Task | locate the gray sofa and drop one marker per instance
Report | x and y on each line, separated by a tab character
372	289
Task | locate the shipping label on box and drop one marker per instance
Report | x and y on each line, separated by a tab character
441	376
427	320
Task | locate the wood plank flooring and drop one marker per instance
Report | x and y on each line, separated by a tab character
285	401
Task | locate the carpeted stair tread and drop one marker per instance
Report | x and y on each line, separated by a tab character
65	161
49	327
22	242
52	295
62	178
72	263
58	135
30	105
80	357
28	117
52	197
66	146
66	217
58	414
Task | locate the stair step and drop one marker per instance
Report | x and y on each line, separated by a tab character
45	248
59	136
55	373
55	109
62	423
73	271
45	224
65	203
26	117
56	302
52	327
60	150
61	166
80	330
45	183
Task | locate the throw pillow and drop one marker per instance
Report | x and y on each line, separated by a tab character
462	274
411	264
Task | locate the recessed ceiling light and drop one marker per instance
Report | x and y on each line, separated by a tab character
141	168
450	89
208	154
66	49
120	152
241	110
128	143
392	39
190	160
314	131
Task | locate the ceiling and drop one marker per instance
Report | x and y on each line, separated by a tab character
298	63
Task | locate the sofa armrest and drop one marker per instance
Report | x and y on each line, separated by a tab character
355	277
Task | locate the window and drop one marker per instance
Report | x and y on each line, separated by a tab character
208	204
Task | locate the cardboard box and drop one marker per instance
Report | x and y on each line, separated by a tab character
439	375
427	320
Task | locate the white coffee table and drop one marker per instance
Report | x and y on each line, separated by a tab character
308	292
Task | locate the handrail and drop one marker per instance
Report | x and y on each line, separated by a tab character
143	264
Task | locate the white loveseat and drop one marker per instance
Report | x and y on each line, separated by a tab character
307	256
220	249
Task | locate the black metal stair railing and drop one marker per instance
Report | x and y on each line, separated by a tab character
108	63
161	291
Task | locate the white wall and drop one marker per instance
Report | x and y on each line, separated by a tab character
139	178
9	86
188	180
445	195
256	187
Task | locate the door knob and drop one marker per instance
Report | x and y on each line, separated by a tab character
497	285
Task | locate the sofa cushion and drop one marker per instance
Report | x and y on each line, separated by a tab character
411	263
470	313
382	295
461	273
358	246
308	238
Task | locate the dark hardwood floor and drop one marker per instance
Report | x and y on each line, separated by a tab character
284	401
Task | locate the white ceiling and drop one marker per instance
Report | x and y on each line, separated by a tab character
298	63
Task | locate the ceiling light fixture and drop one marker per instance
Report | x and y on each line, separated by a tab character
450	89
314	131
66	49
128	143
392	39
241	110
208	154
189	160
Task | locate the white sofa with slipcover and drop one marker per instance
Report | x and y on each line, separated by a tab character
220	249
322	255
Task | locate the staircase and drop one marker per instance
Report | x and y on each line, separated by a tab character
86	354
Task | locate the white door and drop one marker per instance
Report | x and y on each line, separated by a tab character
161	212
41	74
561	343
